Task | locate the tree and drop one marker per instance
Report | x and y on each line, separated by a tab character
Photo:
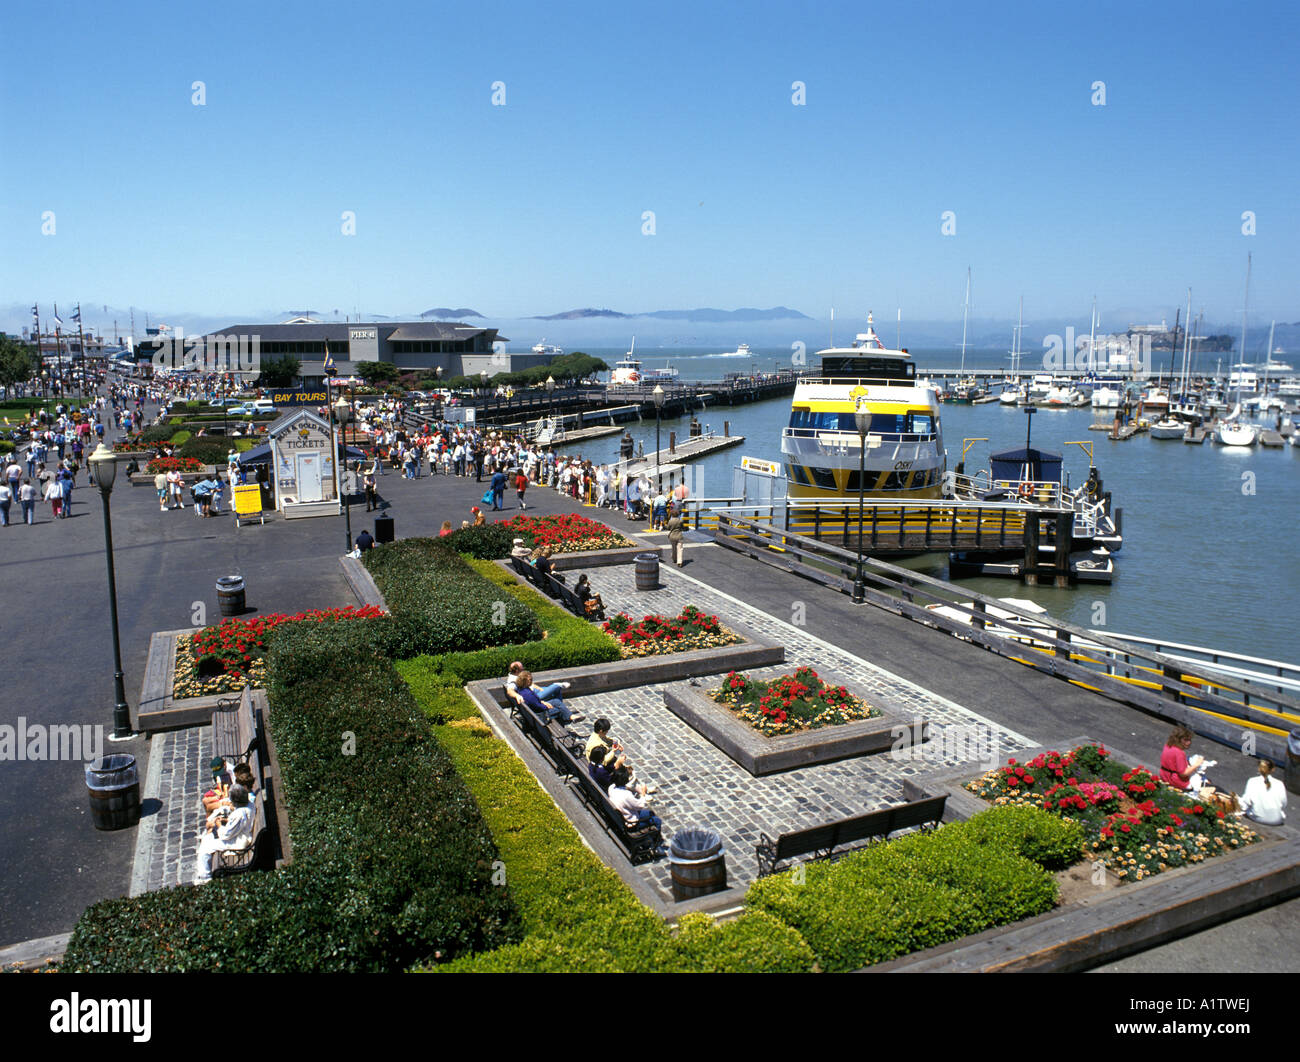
377	372
279	372
18	362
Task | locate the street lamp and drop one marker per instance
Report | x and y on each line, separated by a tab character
862	418
103	470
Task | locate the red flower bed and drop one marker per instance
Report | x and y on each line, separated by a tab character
566	533
174	464
229	656
653	635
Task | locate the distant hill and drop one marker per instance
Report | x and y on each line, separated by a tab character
777	313
577	315
445	314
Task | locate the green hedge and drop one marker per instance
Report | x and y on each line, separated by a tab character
489	542
569	641
180	438
208	449
392	861
919	891
577	914
442	605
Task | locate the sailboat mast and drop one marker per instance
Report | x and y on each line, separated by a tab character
1244	307
965	316
1187	342
1268	356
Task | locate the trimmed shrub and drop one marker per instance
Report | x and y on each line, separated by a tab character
489	542
917	892
1048	840
754	943
209	450
442	605
392	861
180	438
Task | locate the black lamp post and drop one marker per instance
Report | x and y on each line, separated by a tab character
862	418
347	495
658	395
103	470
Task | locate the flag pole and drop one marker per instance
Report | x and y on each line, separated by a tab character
81	341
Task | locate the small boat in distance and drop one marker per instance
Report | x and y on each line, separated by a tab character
741	351
542	348
626	373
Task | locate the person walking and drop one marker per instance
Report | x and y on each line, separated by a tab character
372	500
27	494
64	480
675	534
6	500
521	485
498	490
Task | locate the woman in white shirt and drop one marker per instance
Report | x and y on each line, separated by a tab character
1264	799
233	831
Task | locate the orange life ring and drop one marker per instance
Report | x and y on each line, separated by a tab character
1026	490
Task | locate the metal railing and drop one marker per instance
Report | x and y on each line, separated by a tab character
1214	704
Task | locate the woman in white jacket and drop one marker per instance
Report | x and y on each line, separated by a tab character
227	832
1264	799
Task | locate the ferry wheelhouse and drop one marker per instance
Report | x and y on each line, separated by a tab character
821	447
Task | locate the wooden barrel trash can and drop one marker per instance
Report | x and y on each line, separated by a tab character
230	595
647	571
114	788
698	863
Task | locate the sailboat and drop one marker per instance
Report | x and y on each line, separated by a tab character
967	389
1231	430
1015	392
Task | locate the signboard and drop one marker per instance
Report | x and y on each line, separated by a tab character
460	414
300	398
763	468
248	501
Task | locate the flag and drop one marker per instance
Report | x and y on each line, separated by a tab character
58	321
329	361
77	316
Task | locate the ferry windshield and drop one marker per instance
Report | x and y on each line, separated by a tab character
881	423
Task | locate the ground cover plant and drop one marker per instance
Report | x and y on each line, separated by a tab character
1133	823
231	655
790	703
392	863
655	635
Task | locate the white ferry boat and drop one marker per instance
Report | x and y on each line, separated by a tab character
821	447
626	373
742	351
542	348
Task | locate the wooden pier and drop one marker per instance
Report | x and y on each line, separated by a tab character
691	450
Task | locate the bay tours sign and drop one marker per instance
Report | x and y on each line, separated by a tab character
299	398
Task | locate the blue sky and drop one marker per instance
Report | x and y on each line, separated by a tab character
233	209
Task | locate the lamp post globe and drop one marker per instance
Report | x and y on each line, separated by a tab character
103	470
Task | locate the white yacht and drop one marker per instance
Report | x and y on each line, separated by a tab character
626	373
822	448
741	351
542	348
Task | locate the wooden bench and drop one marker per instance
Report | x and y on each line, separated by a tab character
821	841
564	751
556	588
237	736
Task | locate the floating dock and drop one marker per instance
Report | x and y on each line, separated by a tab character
691	450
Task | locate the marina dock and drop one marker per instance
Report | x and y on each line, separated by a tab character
692	450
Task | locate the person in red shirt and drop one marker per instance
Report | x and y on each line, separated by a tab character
521	485
1175	767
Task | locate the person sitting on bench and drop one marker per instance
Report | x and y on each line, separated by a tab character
636	812
551	708
520	550
543	563
612	754
233	830
591	602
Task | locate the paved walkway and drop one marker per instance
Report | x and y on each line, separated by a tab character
167	840
701	786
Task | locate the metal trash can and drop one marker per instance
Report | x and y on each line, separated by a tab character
1293	762
698	863
647	571
230	595
114	789
383	529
